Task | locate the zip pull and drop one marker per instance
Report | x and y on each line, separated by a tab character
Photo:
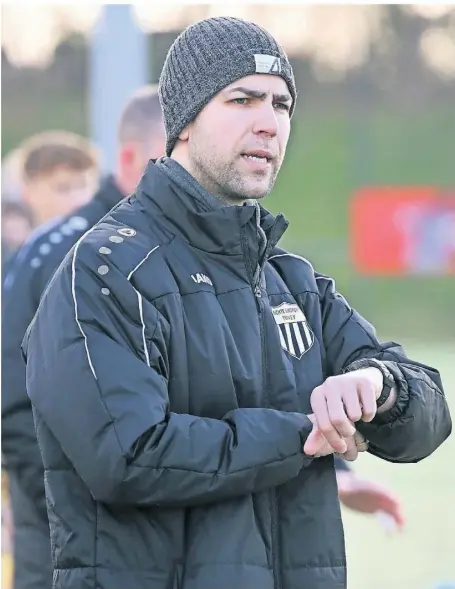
257	291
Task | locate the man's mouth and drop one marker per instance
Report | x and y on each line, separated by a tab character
258	156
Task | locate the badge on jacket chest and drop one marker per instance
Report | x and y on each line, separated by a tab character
296	336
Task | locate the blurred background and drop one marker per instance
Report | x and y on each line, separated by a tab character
368	186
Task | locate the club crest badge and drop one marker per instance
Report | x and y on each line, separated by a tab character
296	336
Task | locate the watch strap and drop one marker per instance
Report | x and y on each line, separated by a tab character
388	380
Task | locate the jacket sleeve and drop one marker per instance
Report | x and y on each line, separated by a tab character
95	376
420	420
20	451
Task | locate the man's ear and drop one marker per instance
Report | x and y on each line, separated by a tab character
184	135
127	155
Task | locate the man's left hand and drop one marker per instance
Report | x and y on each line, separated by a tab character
339	402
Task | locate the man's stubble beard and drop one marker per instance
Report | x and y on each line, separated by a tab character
224	180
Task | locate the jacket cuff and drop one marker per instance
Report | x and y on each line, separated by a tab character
402	400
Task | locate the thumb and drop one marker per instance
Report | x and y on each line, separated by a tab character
314	441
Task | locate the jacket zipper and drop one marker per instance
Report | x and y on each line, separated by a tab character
272	493
256	287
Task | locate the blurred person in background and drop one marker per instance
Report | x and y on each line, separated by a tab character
198	378
11	180
60	172
368	497
140	137
12	175
17	225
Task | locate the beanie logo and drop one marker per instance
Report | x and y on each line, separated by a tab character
267	64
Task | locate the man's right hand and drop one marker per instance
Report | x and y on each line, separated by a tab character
319	446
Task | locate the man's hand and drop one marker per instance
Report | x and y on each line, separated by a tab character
316	445
339	402
367	497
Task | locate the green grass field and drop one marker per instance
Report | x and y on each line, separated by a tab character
424	552
326	163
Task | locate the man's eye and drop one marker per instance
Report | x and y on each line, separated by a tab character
282	106
240	100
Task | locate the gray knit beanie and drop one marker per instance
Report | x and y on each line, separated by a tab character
207	57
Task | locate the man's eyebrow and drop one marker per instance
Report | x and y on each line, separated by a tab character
260	94
282	97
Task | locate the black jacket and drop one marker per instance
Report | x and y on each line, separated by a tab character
170	388
24	284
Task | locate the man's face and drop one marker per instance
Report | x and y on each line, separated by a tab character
237	143
59	192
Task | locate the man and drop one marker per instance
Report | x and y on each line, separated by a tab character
190	380
140	135
59	174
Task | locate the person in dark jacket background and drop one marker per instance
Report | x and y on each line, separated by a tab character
17	225
140	137
190	379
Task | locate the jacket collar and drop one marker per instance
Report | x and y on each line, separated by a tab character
205	223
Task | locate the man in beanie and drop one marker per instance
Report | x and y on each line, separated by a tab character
198	379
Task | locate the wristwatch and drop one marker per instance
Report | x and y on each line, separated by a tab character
389	381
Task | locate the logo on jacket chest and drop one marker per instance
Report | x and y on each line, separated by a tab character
296	336
198	278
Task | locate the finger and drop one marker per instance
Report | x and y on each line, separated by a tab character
352	406
393	507
367	395
360	442
362	447
359	437
338	417
313	442
352	452
399	517
316	445
394	515
394	511
387	522
319	406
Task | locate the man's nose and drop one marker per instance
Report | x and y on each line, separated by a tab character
266	121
